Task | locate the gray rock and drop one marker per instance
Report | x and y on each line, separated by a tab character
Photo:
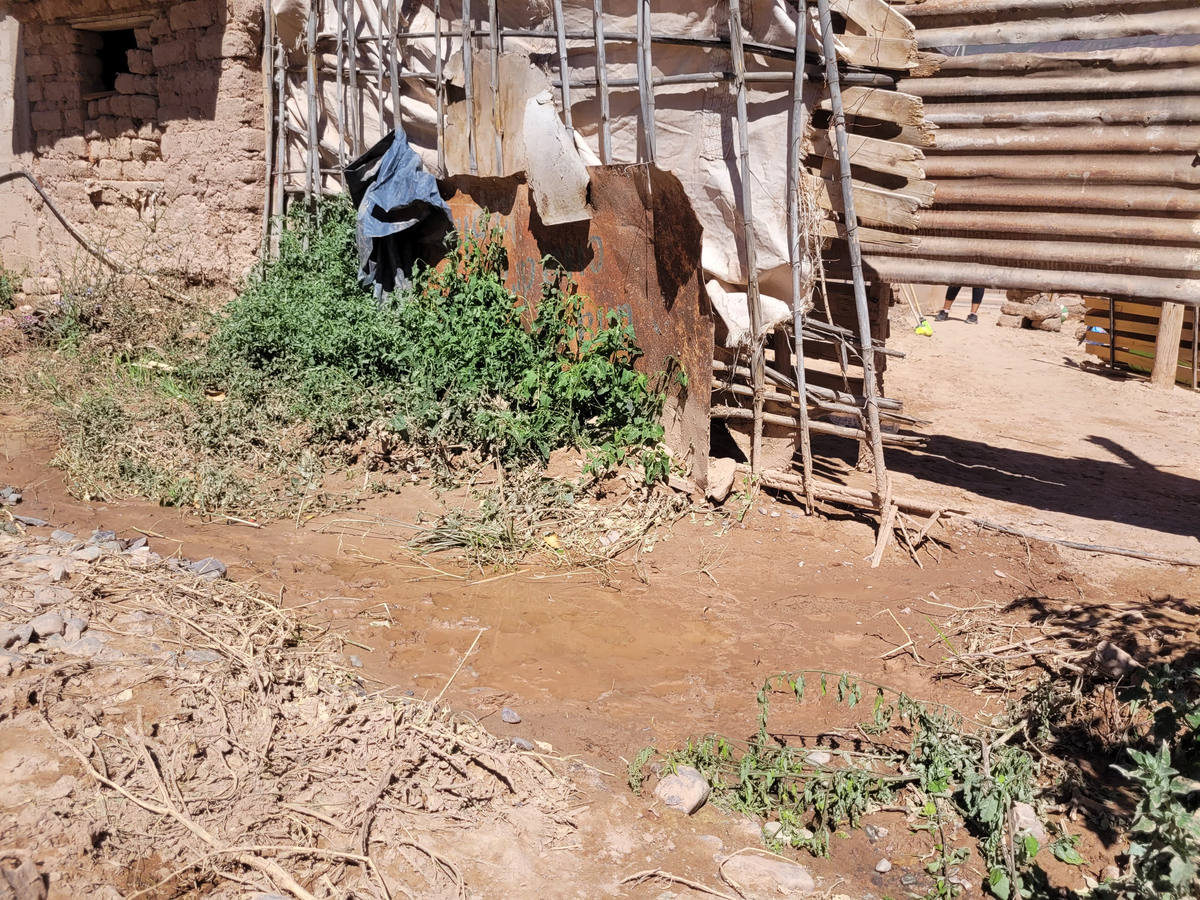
763	878
74	629
883	866
136	545
1024	821
209	569
685	791
721	473
47	624
32	522
87	554
202	656
24	635
91	646
356	662
510	716
875	832
268	897
1112	661
100	537
522	744
63	537
7	638
910	879
112	546
58	572
818	758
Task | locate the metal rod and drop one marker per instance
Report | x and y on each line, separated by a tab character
352	77
396	63
312	176
753	300
268	62
439	87
494	39
602	81
379	68
560	28
644	74
838	126
468	57
797	126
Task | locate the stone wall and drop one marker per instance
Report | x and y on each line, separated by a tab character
168	169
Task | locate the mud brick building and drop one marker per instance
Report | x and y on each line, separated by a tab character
144	121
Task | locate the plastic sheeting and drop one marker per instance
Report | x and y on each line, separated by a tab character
401	215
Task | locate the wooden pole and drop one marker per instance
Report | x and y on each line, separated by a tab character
468	57
340	7
440	88
352	78
602	81
838	126
752	296
268	66
1195	343
277	207
564	72
396	63
312	174
1112	332
379	67
797	126
494	52
645	75
1166	348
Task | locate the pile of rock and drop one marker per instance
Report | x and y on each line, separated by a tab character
1042	312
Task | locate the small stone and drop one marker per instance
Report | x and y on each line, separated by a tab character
24	635
63	537
209	569
510	716
92	646
100	537
1159	596
883	866
61	788
818	758
910	879
762	510
356	662
47	624
11	662
721	473
522	744
136	545
7	638
685	791
761	877
58	572
1024	821
1112	661
875	832
74	629
87	554
771	829
775	515
32	522
1110	873
202	656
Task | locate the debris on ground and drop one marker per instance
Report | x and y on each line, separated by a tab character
685	790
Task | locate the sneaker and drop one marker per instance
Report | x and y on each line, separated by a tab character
972	319
942	316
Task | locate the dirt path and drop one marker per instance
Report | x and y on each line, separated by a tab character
1023	435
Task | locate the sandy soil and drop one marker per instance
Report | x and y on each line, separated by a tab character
1024	434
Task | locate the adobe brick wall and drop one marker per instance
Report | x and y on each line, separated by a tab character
170	168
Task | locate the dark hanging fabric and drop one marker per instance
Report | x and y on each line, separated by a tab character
401	215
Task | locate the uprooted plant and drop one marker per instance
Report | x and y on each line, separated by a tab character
305	369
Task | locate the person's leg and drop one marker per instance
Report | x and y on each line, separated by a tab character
976	299
951	293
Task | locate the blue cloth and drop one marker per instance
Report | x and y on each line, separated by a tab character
401	214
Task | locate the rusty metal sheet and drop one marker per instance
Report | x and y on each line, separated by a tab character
639	255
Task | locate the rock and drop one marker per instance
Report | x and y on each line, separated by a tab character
763	878
356	662
87	554
1159	596
24	882
91	646
74	630
1013	308
7	638
61	788
1110	873
1054	324
818	758
1006	321
1044	309
63	537
136	545
522	744
268	897
1022	296
685	791
209	569
58	572
102	537
47	624
910	879
510	716
1023	820
875	832
1112	661
202	656
883	866
721	473
32	522
24	635
762	510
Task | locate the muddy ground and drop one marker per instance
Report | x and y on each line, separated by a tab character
601	664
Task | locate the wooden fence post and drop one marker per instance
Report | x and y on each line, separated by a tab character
1166	347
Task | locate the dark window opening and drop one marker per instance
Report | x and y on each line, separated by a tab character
114	61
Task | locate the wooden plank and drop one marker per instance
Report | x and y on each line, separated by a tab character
837	230
874	17
874	154
1129	307
1170	329
1131	343
1040	29
874	205
876	52
1142	364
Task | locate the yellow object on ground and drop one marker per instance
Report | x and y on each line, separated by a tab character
924	328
